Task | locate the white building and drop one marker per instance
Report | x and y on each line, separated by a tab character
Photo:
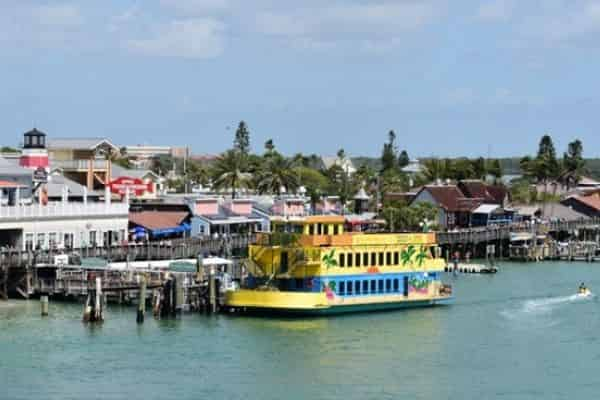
63	224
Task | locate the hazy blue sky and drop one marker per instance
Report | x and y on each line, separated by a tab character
450	77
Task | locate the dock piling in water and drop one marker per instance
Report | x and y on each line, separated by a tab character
44	305
142	301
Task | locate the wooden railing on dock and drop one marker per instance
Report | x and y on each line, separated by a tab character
163	250
502	232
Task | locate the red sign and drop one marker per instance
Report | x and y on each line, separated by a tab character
135	186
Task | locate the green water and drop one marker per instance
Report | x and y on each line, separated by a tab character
515	335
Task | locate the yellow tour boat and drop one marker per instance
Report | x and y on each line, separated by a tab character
311	265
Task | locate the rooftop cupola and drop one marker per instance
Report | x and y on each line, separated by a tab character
34	139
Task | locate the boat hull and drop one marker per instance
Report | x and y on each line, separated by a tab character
296	304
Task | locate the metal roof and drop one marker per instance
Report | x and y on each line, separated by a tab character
57	182
12	168
79	143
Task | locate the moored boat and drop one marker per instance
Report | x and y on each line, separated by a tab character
312	265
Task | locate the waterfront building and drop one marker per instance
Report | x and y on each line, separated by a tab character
588	205
86	161
312	265
21	179
154	183
63	224
213	215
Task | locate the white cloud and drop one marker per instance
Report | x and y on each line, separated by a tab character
192	38
371	25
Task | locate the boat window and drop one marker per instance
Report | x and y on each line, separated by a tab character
396	258
357	287
373	286
319	229
380	285
342	260
388	285
373	259
396	285
336	229
299	283
357	259
349	286
365	285
365	258
350	259
311	229
381	259
388	258
342	288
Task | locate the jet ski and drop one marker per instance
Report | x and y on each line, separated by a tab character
584	292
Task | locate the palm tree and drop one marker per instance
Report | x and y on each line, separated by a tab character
229	172
407	255
329	259
421	256
277	173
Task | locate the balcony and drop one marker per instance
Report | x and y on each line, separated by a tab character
79	165
62	210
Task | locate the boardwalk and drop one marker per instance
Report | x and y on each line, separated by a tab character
476	236
164	250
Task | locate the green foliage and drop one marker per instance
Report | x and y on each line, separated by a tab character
573	161
8	149
403	159
401	217
229	172
388	156
315	183
494	168
162	164
277	172
241	142
479	168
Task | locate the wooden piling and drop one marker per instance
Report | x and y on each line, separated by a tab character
44	305
142	301
212	291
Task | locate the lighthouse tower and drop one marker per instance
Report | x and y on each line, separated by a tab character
35	154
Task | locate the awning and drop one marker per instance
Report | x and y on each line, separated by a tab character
486	209
185	227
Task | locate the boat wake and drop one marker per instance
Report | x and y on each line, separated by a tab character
544	305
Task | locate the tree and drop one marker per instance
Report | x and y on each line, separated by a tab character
479	168
400	216
269	146
277	173
229	172
388	156
573	161
546	165
241	142
403	159
8	149
462	168
314	182
495	170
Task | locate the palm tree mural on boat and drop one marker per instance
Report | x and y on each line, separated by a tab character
407	254
329	259
421	256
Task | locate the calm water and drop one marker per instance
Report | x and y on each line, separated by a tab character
515	335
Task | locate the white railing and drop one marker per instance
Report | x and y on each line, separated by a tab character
78	164
59	209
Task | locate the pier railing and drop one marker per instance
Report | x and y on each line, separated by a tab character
60	209
162	250
502	232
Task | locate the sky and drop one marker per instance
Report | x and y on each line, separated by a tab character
450	78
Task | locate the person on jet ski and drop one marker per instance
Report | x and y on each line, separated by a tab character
582	288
